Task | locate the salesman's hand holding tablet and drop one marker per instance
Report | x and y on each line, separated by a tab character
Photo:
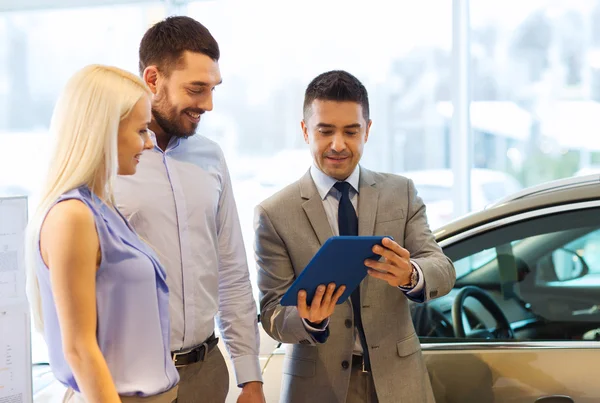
394	267
387	261
335	271
322	305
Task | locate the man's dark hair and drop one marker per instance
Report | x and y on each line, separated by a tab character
336	85
164	43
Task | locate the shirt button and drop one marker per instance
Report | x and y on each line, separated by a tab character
348	323
345	364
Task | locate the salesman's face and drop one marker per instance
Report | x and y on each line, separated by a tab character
336	133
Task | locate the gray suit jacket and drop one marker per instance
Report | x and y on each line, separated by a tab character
290	227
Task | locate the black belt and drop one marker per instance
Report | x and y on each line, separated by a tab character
198	353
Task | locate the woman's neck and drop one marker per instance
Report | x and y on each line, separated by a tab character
98	187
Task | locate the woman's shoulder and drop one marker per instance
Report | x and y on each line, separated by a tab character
70	214
68	232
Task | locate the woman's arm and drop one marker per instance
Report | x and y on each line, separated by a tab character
70	247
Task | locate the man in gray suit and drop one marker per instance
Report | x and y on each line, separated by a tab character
365	349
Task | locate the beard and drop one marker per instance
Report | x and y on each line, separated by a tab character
170	120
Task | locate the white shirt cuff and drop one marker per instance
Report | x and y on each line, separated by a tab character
247	369
322	327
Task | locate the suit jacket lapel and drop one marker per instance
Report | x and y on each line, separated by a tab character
368	196
313	207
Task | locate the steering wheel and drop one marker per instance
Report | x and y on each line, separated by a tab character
503	329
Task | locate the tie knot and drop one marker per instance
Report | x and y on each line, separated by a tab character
343	187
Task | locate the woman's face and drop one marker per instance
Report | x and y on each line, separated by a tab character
133	136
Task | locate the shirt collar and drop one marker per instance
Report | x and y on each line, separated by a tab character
324	182
174	142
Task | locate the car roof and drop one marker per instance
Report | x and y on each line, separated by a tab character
549	194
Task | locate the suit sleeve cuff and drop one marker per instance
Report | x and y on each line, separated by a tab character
312	329
247	369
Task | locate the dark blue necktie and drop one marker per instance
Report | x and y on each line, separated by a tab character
348	225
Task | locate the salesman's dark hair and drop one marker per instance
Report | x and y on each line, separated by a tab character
336	85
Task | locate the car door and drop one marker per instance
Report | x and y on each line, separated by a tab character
541	269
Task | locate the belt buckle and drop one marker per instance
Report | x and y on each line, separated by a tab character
175	355
204	355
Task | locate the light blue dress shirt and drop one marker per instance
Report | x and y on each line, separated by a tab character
181	202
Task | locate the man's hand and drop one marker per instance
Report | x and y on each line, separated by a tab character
252	392
395	267
322	305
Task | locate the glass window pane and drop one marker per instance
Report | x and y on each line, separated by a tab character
39	51
536	88
471	263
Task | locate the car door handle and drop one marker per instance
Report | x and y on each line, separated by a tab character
554	399
589	311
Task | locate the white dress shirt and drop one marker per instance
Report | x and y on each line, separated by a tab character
181	202
331	200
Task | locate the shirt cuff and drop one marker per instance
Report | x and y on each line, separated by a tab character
321	328
247	369
418	288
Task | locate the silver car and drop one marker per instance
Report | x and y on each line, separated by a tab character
523	321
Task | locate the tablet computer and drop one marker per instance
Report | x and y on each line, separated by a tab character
341	261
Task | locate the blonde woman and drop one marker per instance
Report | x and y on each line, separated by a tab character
98	293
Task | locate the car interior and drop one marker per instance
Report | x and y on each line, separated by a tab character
534	280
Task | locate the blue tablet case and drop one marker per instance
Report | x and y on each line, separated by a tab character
341	261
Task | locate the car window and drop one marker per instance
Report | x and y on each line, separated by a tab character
473	262
476	261
574	264
543	275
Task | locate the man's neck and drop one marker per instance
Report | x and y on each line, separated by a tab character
162	138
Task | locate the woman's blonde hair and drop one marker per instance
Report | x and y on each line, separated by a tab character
85	126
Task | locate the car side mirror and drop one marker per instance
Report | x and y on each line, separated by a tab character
568	265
